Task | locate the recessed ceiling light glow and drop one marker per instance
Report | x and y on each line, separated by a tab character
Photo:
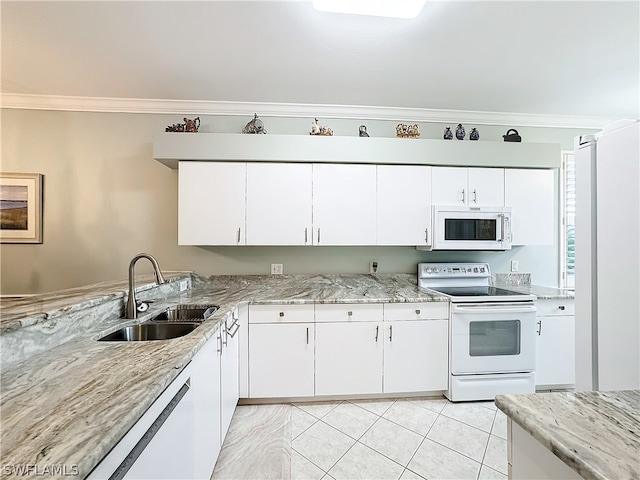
379	8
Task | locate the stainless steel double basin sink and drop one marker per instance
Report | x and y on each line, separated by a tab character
173	322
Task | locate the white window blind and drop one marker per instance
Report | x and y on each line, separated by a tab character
568	216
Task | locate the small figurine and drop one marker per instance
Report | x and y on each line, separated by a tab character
254	126
176	127
363	131
317	129
191	125
407	131
448	134
512	136
474	134
460	133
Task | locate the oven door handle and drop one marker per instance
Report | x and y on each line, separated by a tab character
493	308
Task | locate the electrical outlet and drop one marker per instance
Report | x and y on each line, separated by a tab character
276	269
183	285
373	267
514	265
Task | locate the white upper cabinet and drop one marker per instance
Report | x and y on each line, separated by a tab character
404	205
344	204
279	203
473	187
211	203
531	195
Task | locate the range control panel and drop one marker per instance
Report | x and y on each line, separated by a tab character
453	270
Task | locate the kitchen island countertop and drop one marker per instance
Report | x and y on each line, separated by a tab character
597	434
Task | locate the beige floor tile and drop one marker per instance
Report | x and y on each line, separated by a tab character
471	414
322	444
375	406
318	409
392	440
496	455
411	416
300	421
350	419
303	469
460	437
433	460
361	462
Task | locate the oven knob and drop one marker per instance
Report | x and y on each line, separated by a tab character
428	269
475	269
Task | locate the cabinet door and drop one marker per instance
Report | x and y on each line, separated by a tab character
555	351
211	203
349	358
531	195
279	204
486	187
416	356
281	360
205	383
344	204
404	205
229	381
449	186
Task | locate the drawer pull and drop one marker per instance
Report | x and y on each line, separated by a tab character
281	314
390	333
418	312
539	327
377	328
561	307
307	335
350	313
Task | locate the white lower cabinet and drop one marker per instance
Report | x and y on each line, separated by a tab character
555	343
281	351
348	358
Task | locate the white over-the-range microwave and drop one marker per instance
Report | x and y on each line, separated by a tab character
470	228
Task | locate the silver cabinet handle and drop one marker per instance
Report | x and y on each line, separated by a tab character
426	236
390	333
463	199
281	314
318	235
377	328
238	234
539	327
220	344
475	196
350	313
561	307
307	335
305	236
418	312
224	334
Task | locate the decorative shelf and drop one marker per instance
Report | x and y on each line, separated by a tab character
170	148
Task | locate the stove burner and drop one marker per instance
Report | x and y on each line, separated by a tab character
474	291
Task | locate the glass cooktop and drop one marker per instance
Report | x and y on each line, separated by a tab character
483	291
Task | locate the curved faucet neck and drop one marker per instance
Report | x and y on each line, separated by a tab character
132	312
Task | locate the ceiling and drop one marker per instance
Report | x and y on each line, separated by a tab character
553	58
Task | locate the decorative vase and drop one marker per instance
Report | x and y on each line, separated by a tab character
460	132
474	134
448	134
362	132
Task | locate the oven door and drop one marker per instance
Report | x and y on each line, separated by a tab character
466	228
493	338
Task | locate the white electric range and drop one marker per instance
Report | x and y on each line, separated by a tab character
492	343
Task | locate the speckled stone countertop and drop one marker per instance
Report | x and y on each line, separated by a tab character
597	434
69	405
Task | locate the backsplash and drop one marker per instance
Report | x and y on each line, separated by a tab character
512	279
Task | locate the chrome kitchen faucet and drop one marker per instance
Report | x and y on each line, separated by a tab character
132	311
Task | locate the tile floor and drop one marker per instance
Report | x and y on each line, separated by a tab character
405	438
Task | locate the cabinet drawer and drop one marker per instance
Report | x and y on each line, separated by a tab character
345	312
416	311
548	307
280	313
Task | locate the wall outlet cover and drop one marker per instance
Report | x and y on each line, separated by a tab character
276	269
514	265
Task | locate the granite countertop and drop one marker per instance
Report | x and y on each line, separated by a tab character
70	404
597	434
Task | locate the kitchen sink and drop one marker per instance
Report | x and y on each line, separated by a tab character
151	331
186	313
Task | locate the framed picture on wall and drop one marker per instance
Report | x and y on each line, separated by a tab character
20	208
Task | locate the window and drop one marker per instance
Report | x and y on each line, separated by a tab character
568	221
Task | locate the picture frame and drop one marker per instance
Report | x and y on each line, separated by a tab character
21	207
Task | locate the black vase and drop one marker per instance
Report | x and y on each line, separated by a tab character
460	133
448	134
474	134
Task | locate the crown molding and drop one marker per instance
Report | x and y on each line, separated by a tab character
159	106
